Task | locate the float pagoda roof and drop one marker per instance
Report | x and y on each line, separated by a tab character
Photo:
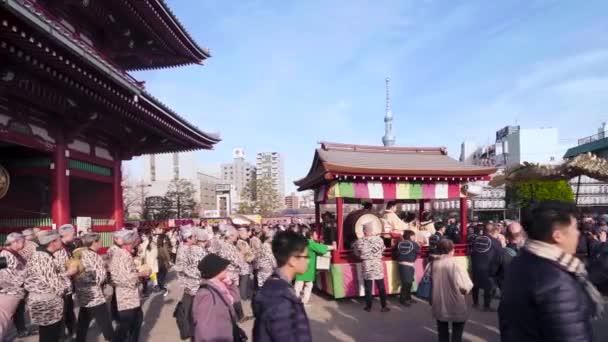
133	34
333	160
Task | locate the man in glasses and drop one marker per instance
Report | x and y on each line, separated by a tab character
279	314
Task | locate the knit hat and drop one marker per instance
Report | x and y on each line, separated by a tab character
47	236
27	232
89	238
66	229
186	231
201	234
212	265
12	237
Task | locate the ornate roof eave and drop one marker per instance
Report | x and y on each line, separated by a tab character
46	23
201	53
322	171
168	28
209	138
153	115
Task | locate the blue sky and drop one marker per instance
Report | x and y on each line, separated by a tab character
287	74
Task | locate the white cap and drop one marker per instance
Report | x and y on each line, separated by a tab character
66	229
12	237
368	227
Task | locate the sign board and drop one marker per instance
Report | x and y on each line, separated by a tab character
238	153
84	224
223	187
211	213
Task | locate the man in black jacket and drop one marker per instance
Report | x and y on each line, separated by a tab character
547	295
485	261
279	314
435	238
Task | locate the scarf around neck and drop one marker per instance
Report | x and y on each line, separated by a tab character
570	264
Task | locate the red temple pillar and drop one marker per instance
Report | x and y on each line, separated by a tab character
340	225
60	183
117	194
463	218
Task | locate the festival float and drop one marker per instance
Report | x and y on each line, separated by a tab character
342	173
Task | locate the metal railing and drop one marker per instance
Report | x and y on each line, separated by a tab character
592	138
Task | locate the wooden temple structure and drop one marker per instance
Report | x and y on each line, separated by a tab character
70	112
342	173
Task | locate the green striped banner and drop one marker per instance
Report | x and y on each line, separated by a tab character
28	162
106	239
95	221
26	222
89	167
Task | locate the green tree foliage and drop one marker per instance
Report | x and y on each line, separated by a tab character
523	194
181	196
259	197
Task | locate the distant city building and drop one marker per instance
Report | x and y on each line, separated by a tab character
225	195
514	146
207	184
292	201
163	167
238	173
270	164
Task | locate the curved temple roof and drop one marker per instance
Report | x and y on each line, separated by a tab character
354	160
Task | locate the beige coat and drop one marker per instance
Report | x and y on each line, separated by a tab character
448	302
394	221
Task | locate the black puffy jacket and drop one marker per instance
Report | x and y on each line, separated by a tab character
542	302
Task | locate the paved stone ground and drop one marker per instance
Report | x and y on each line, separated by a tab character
331	320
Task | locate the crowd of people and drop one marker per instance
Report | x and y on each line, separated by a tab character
222	269
562	256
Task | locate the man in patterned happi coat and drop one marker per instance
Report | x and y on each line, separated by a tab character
265	260
125	279
63	255
30	245
45	283
187	239
190	274
369	249
89	289
228	250
12	293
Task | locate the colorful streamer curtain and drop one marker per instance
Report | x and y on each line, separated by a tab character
394	190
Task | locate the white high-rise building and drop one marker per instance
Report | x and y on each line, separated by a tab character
239	172
270	164
164	168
